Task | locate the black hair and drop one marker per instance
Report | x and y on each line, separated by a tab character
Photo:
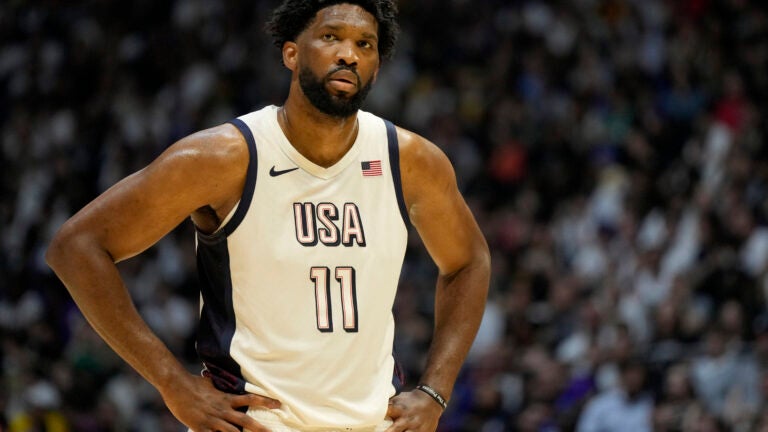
634	362
293	16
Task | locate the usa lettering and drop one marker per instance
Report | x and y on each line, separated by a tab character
324	223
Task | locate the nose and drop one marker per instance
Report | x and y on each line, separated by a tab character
347	53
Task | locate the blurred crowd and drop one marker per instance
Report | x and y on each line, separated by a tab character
613	151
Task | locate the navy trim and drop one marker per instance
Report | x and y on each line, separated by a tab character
250	179
217	317
398	374
394	165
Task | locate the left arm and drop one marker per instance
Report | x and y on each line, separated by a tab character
458	248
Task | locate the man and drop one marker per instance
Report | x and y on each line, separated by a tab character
627	408
301	214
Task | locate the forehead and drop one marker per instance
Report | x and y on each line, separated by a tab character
345	14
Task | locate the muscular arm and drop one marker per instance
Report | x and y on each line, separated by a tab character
206	169
455	243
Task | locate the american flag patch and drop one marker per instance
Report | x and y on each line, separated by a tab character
371	168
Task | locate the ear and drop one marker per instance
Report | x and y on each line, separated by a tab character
290	55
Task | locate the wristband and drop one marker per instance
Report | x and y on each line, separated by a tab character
433	394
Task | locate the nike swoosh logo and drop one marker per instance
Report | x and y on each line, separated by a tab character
274	173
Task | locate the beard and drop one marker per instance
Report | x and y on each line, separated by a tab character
340	106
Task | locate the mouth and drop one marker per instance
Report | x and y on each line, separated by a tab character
343	80
344	73
344	77
343	85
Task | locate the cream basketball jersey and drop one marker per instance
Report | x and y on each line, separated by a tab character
298	284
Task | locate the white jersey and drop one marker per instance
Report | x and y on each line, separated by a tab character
298	284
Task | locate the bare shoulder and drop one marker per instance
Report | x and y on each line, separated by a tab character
435	205
204	170
414	148
425	169
214	166
213	162
213	148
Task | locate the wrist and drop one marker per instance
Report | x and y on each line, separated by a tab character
434	394
170	378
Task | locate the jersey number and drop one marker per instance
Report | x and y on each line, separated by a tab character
321	276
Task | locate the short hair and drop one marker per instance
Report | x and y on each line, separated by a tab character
293	17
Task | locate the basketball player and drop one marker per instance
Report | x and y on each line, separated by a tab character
301	214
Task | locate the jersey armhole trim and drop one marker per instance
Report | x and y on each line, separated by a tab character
394	165
250	179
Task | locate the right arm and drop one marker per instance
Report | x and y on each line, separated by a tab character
206	169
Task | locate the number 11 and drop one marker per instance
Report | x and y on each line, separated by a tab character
346	277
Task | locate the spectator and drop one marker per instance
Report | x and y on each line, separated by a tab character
41	413
677	409
726	379
613	152
627	408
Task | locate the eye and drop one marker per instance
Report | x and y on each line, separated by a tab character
365	44
328	37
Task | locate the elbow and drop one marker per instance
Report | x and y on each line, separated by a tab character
56	253
66	246
476	267
483	263
481	258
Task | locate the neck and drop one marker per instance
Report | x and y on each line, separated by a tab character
321	138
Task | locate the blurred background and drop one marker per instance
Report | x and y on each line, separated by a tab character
613	151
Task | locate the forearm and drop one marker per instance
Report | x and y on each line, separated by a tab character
459	305
95	284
